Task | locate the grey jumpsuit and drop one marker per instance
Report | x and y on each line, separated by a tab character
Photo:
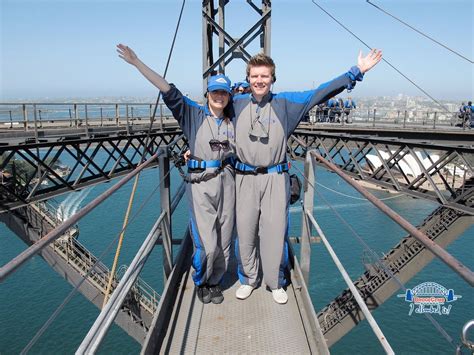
211	202
262	200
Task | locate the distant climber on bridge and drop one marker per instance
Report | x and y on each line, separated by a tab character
349	105
333	105
241	87
263	123
468	111
211	187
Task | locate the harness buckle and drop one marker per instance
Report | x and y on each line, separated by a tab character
261	170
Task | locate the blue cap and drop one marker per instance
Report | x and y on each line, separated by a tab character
241	84
219	82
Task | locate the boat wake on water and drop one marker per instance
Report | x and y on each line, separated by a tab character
71	204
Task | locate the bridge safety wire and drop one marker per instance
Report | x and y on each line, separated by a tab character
421	33
373	253
68	298
355	197
135	183
385	60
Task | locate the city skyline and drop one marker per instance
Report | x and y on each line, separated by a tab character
67	49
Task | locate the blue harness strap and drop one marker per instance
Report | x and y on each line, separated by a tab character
206	164
250	169
203	164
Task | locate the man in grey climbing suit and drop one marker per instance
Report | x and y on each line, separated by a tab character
263	123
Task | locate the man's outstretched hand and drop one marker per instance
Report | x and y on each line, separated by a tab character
369	61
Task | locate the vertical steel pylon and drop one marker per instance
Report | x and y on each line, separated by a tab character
230	47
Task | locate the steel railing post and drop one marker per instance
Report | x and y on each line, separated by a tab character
128	127
161	117
306	229
25	117
164	168
117	114
76	115
87	120
36	123
70	118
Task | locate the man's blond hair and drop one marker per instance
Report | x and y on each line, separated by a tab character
261	60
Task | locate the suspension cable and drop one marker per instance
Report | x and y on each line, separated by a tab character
169	57
135	183
376	257
68	298
421	33
354	197
385	60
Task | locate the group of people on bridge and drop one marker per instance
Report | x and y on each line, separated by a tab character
334	110
238	186
466	114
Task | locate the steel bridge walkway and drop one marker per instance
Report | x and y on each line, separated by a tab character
254	325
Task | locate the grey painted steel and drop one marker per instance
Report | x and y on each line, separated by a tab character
255	325
19	260
169	297
404	261
103	322
121	155
373	324
235	47
314	334
258	325
306	228
351	153
467	343
165	227
29	226
442	254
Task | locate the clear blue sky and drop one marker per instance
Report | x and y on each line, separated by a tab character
66	48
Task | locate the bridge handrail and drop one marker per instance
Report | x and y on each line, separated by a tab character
380	117
145	292
363	306
35	116
74	114
442	254
305	250
31	251
103	322
73	251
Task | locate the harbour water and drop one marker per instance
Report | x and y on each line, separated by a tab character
34	292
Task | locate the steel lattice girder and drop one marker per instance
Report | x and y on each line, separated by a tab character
35	168
431	171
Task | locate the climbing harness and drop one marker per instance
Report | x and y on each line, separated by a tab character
246	169
198	165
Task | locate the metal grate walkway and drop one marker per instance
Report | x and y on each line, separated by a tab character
255	325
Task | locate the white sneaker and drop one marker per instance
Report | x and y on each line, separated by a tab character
243	292
280	296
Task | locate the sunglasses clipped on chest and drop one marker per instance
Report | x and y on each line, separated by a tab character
217	145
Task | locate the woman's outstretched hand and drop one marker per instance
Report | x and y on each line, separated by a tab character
369	61
127	54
